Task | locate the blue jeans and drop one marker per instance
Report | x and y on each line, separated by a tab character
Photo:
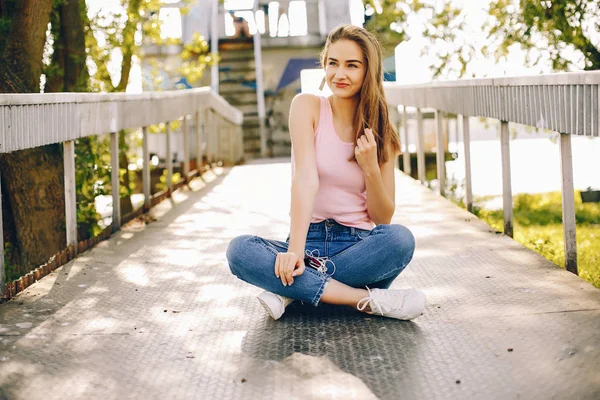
361	258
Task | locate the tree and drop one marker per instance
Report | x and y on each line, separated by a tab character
390	19
34	230
565	31
33	208
122	33
67	71
196	57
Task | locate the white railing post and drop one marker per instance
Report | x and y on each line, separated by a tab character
230	143
467	148
260	90
507	203
439	139
223	141
216	132
394	120
420	147
406	157
146	169
2	277
234	143
198	143
214	46
70	193
227	137
37	120
238	155
239	145
222	134
169	160
114	178
186	149
208	128
568	203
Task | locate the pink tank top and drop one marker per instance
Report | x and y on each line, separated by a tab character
342	194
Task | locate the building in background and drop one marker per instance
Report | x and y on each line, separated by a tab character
288	46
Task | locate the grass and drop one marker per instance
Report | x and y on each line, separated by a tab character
538	226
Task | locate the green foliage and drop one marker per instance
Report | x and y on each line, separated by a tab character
545	28
562	33
92	175
162	184
538	226
123	32
390	21
196	57
109	34
11	270
4	26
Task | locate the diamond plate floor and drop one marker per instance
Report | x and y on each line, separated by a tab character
154	313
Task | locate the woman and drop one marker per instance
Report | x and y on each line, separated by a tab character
342	248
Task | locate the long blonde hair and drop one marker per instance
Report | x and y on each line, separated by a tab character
372	110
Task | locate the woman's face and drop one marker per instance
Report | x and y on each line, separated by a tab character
345	68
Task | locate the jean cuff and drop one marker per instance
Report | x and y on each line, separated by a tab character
315	301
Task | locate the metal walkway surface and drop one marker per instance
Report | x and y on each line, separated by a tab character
154	313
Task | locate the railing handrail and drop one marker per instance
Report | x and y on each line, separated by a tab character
565	102
568	103
33	120
68	116
559	78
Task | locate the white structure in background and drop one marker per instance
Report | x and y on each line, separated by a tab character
327	14
281	39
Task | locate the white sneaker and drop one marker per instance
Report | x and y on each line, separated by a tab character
274	303
401	304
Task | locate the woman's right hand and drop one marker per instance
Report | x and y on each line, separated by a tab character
287	266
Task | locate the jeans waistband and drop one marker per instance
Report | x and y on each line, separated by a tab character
331	225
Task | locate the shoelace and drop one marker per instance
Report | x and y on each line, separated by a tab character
366	301
380	307
319	263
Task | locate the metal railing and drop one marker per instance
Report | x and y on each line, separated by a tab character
567	103
32	120
315	21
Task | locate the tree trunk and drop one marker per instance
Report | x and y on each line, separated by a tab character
32	180
128	47
71	28
68	71
22	56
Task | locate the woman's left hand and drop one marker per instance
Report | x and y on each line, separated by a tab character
366	152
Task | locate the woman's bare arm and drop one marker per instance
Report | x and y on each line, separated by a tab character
305	184
305	180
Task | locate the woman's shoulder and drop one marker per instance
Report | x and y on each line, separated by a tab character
306	105
306	102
